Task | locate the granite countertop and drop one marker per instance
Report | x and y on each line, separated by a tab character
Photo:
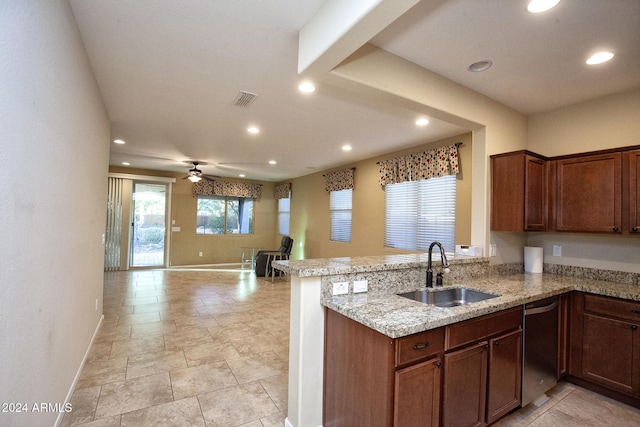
396	316
361	264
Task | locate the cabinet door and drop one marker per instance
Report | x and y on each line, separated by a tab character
634	192
608	353
505	375
535	182
518	192
417	395
465	386
589	193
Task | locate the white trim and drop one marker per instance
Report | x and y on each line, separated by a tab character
148	178
77	377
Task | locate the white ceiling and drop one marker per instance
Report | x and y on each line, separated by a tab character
169	72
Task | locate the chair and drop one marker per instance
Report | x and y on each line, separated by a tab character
261	269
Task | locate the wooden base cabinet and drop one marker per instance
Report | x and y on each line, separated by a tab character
611	343
465	386
417	395
482	369
610	353
372	380
505	375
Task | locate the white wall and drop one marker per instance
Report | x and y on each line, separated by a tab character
54	145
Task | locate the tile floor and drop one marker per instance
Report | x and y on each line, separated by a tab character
187	348
205	347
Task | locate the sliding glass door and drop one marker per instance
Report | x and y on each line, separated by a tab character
148	229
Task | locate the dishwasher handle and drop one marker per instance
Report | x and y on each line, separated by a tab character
540	310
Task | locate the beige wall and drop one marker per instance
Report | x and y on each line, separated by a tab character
54	149
609	122
310	208
186	245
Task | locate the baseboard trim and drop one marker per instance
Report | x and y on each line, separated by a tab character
287	423
67	399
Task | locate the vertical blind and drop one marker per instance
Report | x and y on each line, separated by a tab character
340	208
420	212
113	232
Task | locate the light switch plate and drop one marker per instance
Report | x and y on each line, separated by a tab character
360	286
340	288
557	250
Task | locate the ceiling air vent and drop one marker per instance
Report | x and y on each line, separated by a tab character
244	98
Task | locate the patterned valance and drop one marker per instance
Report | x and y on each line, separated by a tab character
414	167
282	191
340	180
206	187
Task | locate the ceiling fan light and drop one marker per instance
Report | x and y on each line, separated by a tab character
194	178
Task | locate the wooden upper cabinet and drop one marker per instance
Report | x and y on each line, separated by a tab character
589	193
518	192
634	191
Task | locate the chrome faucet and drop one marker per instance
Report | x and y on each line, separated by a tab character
445	265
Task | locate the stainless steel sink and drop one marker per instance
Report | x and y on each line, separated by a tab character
448	297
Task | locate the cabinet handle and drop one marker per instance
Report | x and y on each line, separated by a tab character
635	311
496	343
634	327
420	346
438	364
634	230
615	229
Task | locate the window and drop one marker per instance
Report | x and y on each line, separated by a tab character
340	208
224	215
284	213
420	212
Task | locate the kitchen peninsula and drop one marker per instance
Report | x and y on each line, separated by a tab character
393	316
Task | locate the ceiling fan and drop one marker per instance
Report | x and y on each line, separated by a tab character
194	174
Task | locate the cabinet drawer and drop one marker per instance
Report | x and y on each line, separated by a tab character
483	327
419	346
613	307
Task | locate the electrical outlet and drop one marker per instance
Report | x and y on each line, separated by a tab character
199	253
557	250
492	250
360	286
340	288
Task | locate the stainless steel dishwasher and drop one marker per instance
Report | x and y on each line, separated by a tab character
540	361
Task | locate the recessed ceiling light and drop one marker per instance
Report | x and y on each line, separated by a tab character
422	122
272	162
346	147
480	66
306	87
599	58
126	163
241	175
537	6
254	130
118	141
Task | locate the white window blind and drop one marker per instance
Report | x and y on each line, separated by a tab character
284	213
340	208
420	212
